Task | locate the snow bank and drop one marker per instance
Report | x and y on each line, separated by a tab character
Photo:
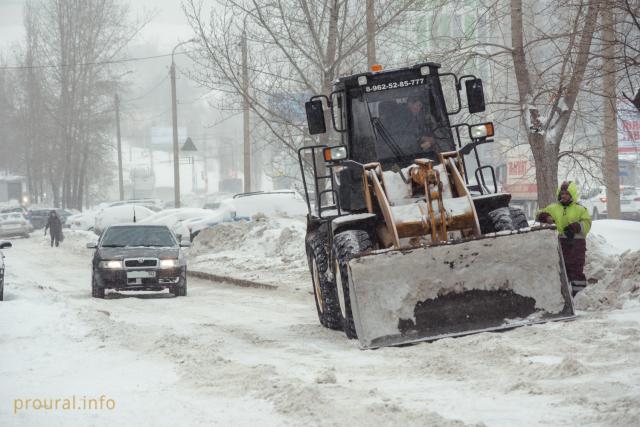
74	241
613	259
616	287
620	235
267	249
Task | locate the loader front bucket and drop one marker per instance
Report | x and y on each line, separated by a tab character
494	282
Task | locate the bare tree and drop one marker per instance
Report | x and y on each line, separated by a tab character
296	48
536	56
66	86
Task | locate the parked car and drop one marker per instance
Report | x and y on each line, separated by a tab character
3	245
9	209
119	215
14	224
196	225
596	203
173	218
155	205
82	221
136	257
246	205
38	217
212	201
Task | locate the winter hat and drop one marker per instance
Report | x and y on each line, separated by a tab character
564	188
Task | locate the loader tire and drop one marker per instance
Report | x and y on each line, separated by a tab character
518	218
324	286
345	245
508	218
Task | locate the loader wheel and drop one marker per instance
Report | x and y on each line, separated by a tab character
345	245
324	287
518	218
508	218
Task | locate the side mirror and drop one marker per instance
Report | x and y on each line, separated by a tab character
315	117
5	245
92	245
185	244
475	95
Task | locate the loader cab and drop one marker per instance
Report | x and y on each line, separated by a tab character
394	120
390	117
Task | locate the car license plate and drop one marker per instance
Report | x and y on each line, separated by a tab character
140	274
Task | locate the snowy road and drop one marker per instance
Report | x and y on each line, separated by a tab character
227	355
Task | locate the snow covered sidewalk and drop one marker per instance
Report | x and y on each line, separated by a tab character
242	356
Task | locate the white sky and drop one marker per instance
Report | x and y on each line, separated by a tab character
167	28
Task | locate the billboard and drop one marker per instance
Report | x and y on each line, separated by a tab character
520	179
628	127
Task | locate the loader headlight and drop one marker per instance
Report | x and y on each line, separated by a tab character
111	265
362	80
168	263
333	154
483	130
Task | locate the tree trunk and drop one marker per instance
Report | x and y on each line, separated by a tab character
371	34
610	134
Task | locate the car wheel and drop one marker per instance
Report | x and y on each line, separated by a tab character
180	291
96	291
26	236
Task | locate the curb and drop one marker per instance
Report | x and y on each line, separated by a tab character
231	280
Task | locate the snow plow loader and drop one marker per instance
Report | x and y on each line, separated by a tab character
408	238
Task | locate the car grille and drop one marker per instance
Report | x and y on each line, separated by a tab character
141	262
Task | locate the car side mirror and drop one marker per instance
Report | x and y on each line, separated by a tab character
5	245
185	244
315	117
92	245
475	95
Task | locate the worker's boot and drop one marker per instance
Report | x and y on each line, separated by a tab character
577	286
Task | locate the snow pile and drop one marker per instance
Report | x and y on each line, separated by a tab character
613	259
74	240
267	249
617	287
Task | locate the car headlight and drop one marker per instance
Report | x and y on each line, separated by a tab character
111	265
168	263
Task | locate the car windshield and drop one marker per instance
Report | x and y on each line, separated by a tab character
117	237
398	122
10	217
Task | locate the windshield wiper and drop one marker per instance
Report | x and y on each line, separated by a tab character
388	139
113	246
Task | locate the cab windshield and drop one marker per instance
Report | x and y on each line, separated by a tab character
394	124
149	236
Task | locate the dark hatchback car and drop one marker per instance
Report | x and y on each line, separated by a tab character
39	217
138	257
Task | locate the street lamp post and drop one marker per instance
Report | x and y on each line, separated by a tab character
174	119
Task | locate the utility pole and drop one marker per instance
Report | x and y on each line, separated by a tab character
371	34
176	147
174	120
610	135
245	115
120	180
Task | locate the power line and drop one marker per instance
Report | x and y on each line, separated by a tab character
114	61
147	92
